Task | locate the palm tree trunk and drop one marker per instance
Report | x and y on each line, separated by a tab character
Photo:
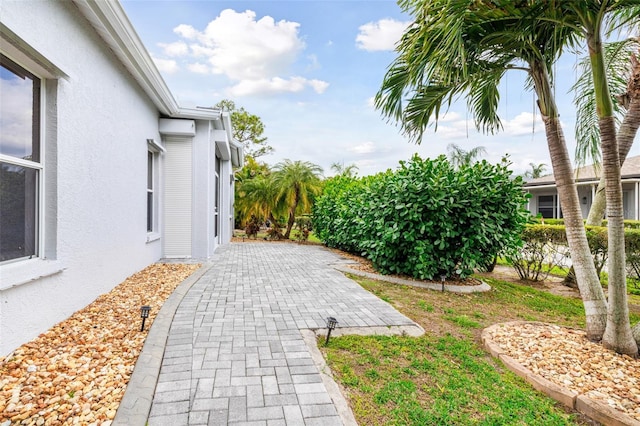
591	292
292	213
626	134
617	335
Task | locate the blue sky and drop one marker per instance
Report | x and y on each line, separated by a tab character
310	68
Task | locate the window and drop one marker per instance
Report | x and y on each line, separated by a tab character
154	149
548	206
150	176
21	163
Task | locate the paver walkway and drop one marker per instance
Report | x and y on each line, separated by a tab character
235	353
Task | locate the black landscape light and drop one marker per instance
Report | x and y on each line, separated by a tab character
144	314
442	278
331	325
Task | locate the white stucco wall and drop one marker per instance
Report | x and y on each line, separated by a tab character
96	188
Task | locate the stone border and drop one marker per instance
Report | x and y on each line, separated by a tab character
136	402
583	404
422	284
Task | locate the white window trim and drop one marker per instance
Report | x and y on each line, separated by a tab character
156	150
154	146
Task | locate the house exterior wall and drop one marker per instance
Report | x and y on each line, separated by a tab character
586	191
97	124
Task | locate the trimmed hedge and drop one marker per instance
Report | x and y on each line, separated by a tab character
628	223
596	235
425	219
537	235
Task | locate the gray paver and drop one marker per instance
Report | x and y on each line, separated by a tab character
235	353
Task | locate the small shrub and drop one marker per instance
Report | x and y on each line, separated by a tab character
537	258
275	231
252	227
303	226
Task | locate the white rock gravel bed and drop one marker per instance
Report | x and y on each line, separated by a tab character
77	372
566	357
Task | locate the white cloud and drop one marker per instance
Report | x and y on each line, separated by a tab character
245	48
256	54
313	63
276	85
318	86
457	130
178	48
524	123
186	31
363	148
198	68
451	117
166	65
381	35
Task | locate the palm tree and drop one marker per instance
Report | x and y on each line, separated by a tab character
624	71
589	17
258	197
297	183
458	157
465	48
536	171
347	171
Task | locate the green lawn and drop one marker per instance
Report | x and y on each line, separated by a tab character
445	377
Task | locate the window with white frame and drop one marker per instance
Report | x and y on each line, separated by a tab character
150	190
21	162
548	207
154	149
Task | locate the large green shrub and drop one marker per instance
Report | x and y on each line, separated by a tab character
425	219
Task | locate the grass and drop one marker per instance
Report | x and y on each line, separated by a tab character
445	377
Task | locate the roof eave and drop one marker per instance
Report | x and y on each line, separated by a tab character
109	19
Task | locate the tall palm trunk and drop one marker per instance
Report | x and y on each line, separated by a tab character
292	213
591	292
617	335
626	134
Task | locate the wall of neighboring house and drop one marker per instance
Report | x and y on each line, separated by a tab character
631	201
93	210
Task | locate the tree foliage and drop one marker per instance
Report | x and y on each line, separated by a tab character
297	184
535	171
459	157
426	218
277	194
248	129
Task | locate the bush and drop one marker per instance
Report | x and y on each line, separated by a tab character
538	220
425	219
544	248
538	240
252	228
303	226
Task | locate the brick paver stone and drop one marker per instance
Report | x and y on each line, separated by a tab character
235	354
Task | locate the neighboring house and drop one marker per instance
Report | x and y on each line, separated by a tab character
544	194
101	172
